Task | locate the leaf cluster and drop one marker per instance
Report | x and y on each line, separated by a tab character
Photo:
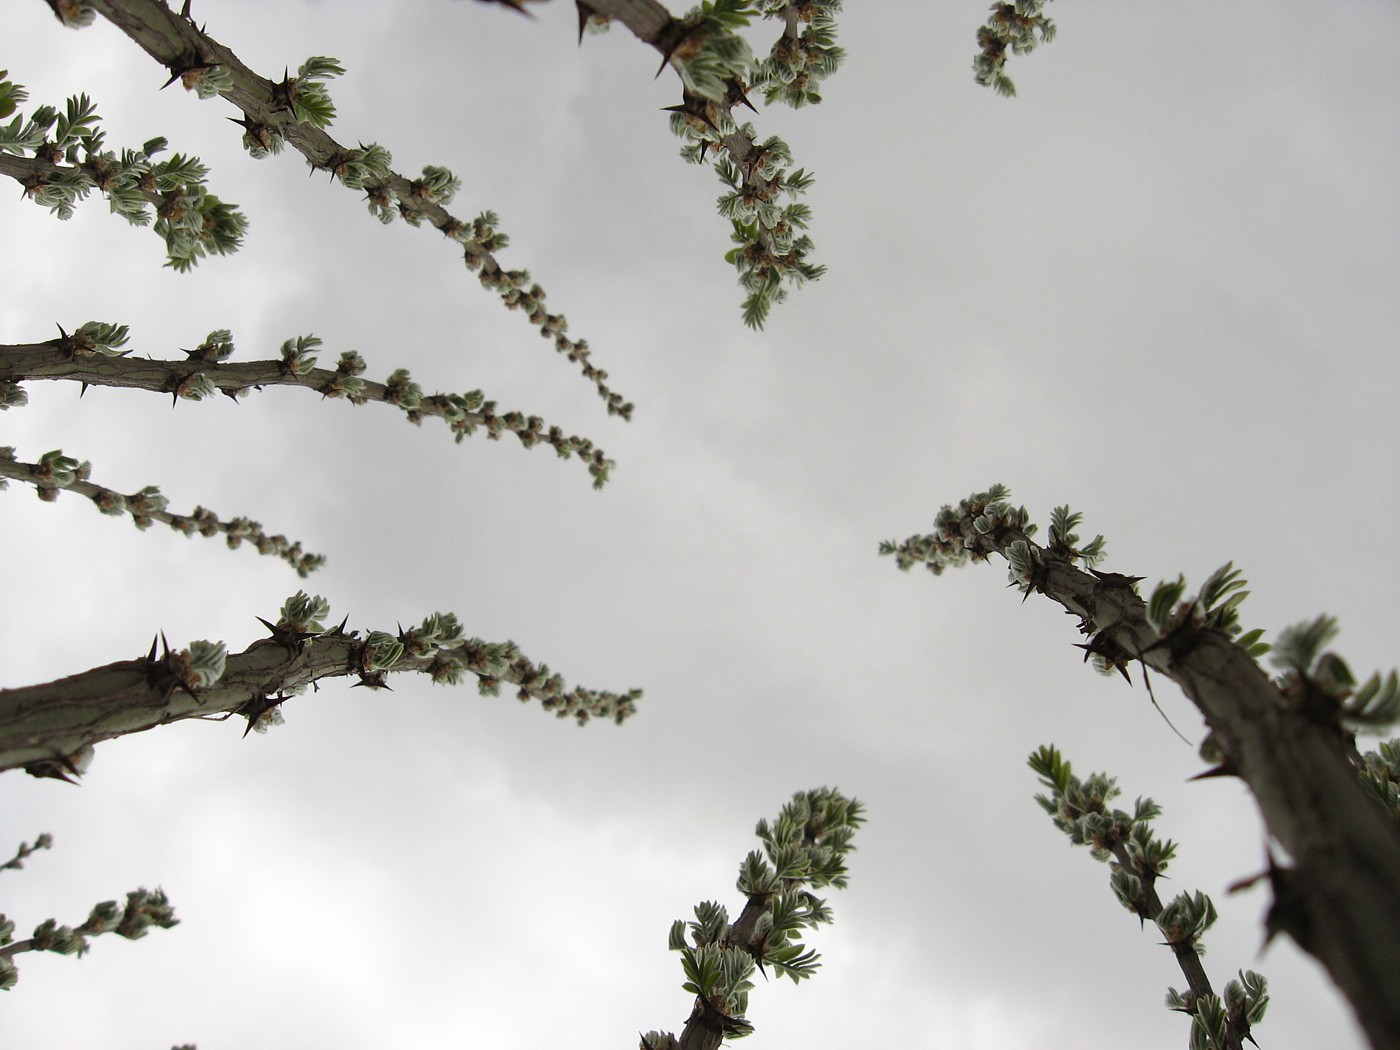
1316	676
58	158
968	532
306	94
1380	775
1221	1022
1137	858
1017	28
1215	608
805	848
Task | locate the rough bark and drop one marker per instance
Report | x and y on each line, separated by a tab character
1340	899
42	727
649	21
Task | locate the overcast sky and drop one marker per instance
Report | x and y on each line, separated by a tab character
1160	286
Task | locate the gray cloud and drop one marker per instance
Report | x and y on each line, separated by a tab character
1156	286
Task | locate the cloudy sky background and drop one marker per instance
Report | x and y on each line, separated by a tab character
1158	286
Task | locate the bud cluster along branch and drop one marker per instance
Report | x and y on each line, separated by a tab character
50	729
143	909
717	70
1290	738
55	473
25	851
1018	28
92	356
1137	858
295	111
58	159
804	849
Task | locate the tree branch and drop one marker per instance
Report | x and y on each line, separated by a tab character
1188	959
713	63
144	909
1081	810
1338	901
57	473
50	729
68	162
15	863
805	847
206	371
270	116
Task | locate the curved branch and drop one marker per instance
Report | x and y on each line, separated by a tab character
204	372
50	729
1338	901
191	54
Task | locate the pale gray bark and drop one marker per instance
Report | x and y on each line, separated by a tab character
44	726
1340	899
648	20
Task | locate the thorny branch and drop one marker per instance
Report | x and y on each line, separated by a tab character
51	728
192	55
205	372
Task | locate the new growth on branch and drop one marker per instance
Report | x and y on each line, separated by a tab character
1291	738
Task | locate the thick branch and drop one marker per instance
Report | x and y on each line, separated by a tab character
180	46
44	725
1339	901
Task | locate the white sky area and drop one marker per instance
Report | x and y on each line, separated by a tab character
1159	286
